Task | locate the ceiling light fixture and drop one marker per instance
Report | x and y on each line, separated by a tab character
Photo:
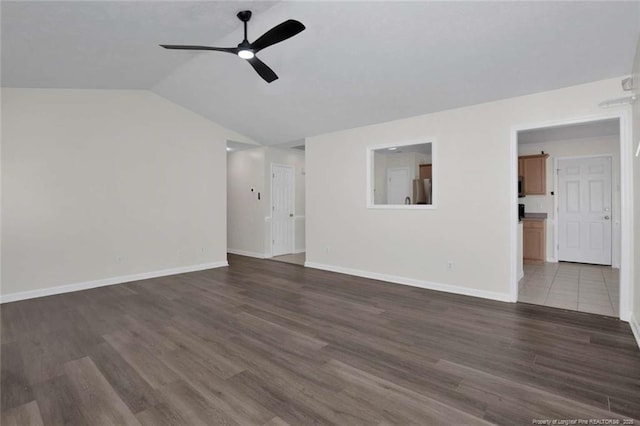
392	149
228	149
245	54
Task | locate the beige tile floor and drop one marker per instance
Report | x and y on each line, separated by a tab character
297	258
575	286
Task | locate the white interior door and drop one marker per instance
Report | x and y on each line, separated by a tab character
398	185
584	210
282	209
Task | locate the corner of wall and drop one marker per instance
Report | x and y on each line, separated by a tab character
228	134
635	328
635	194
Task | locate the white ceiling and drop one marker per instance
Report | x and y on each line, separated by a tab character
106	44
357	63
592	129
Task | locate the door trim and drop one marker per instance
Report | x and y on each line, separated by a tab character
623	114
270	217
614	249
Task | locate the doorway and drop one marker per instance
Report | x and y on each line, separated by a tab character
398	185
282	209
581	216
584	209
260	224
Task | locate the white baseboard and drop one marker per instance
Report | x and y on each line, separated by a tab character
298	251
247	253
635	328
503	297
23	295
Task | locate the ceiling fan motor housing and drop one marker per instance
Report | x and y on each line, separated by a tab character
244	15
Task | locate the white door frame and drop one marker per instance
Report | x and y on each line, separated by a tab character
293	194
614	248
626	200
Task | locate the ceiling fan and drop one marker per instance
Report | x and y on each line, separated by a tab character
247	50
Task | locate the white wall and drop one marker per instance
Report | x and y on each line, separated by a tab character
569	148
471	226
520	253
379	178
249	231
99	184
635	290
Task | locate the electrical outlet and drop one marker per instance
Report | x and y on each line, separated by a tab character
326	249
450	265
119	259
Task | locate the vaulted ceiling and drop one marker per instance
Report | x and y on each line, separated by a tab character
357	63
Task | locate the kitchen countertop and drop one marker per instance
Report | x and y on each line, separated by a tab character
535	216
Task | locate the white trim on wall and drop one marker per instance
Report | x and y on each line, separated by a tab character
267	248
626	200
514	218
466	291
23	295
434	173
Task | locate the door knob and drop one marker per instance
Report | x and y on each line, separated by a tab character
606	217
291	215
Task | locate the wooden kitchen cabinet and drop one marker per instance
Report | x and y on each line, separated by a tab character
533	168
426	171
533	241
422	195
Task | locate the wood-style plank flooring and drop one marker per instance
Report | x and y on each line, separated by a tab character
268	343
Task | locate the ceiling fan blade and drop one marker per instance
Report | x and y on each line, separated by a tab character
185	47
277	34
261	68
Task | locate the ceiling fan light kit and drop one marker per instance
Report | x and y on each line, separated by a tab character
247	50
246	54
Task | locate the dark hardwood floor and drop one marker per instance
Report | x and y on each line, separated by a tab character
270	343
